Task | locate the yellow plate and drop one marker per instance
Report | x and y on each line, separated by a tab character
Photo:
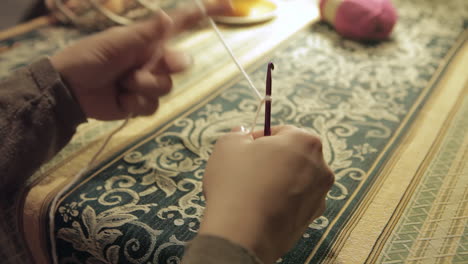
249	12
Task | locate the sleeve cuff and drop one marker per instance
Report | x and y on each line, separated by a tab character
209	249
66	107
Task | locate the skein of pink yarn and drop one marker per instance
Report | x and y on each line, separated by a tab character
360	19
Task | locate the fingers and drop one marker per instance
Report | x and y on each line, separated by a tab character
307	141
237	136
137	104
190	16
310	144
158	27
172	62
322	206
154	32
142	90
277	130
161	26
147	84
328	178
217	7
240	129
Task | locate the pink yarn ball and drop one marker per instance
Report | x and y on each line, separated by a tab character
360	19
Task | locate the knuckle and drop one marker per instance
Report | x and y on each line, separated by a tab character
289	127
313	142
328	178
231	139
165	20
308	138
116	30
321	210
224	138
167	85
150	108
161	85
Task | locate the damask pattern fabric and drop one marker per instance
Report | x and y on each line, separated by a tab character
144	204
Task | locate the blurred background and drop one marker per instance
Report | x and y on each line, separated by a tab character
13	12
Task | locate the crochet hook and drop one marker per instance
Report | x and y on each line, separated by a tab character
267	130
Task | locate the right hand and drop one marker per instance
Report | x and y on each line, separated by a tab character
125	70
263	192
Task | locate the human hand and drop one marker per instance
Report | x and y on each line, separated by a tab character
263	192
124	70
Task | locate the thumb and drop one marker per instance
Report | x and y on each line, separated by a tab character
236	136
158	27
136	104
241	133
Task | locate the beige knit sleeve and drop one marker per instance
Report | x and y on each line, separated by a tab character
206	249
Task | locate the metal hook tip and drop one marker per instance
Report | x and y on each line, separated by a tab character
271	65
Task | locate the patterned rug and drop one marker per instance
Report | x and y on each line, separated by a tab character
371	104
431	223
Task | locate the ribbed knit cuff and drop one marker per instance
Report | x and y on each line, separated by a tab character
209	249
66	107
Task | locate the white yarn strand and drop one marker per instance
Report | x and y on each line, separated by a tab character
257	114
75	179
231	53
239	66
229	50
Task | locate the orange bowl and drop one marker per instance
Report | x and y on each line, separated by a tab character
245	8
249	11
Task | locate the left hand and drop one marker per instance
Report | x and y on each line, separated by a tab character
112	74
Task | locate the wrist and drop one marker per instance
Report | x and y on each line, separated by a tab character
250	232
61	67
66	109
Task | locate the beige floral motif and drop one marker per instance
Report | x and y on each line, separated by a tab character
101	232
319	223
362	150
199	135
102	229
68	211
190	200
173	241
